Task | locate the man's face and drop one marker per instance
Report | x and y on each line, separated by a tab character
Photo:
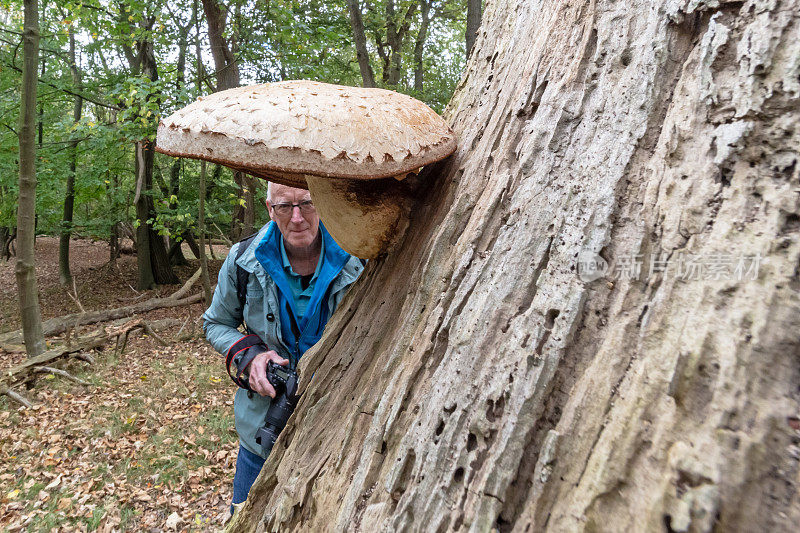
299	229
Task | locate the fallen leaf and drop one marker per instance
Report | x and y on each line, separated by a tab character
173	521
53	484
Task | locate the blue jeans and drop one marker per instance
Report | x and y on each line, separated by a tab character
248	465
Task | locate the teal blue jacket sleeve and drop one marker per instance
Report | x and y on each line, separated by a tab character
224	315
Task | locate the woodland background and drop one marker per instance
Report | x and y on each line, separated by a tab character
129	424
109	70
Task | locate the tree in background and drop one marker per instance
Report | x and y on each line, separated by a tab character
474	11
64	274
151	252
408	41
172	191
360	41
26	211
225	51
390	27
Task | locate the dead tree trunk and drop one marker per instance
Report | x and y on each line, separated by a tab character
26	206
480	377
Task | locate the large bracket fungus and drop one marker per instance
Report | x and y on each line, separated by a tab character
348	146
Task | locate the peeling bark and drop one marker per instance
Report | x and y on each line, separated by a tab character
477	378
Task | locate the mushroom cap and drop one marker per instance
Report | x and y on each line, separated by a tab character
282	131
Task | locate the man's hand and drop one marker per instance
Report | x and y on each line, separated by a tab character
258	372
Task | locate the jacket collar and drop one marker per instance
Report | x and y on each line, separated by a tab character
350	273
248	259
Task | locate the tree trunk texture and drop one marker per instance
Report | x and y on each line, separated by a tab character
40	124
475	379
176	256
25	272
113	243
64	274
7	235
188	237
227	69
360	40
151	252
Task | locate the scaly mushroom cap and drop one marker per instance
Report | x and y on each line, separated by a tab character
283	131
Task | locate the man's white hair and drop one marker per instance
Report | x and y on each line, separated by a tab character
269	191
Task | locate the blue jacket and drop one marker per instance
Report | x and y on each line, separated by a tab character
264	315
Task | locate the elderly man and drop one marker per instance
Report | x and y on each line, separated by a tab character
296	276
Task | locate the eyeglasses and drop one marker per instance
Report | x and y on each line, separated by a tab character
286	209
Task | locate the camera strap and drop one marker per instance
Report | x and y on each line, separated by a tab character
236	355
297	334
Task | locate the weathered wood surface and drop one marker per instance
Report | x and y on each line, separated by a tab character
472	380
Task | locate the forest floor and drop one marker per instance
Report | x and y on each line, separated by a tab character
149	445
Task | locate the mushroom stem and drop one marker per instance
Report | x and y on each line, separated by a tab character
365	217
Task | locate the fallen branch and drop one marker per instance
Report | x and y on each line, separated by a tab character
183	326
16	397
75	297
58	325
133	298
183	291
85	357
20	372
59	372
42	363
150	331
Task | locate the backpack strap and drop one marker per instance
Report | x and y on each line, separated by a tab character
242	275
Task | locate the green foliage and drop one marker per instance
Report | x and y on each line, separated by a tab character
272	39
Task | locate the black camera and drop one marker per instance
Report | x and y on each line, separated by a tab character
284	380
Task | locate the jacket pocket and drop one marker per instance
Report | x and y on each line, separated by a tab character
253	311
